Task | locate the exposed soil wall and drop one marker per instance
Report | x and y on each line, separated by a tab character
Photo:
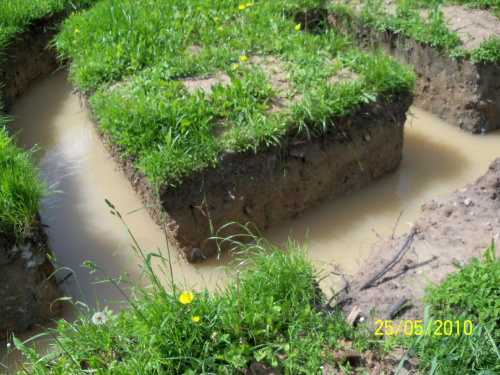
28	59
277	183
464	94
26	292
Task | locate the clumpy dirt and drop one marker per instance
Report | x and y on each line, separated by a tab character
28	59
277	183
452	229
466	95
26	292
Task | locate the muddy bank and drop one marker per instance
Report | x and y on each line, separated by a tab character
277	183
26	292
464	94
28	59
451	229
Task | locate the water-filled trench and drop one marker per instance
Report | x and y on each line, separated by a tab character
437	159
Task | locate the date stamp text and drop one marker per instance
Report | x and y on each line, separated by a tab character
417	327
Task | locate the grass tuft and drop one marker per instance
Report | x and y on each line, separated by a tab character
21	189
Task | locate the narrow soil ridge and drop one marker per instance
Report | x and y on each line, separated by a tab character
464	94
26	292
452	229
277	183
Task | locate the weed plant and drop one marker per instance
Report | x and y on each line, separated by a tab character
21	189
473	294
266	310
132	59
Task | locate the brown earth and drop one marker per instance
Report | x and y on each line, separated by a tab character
464	94
279	182
452	229
26	292
28	59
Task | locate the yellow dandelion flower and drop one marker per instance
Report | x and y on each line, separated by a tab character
77	31
249	4
297	27
216	18
220	28
241	7
196	319
235	66
198	8
243	58
186	298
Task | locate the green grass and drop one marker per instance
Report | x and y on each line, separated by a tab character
21	189
431	30
263	310
144	52
16	15
472	294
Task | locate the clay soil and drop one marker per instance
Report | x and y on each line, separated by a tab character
278	182
27	294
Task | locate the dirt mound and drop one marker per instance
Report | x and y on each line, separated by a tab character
452	229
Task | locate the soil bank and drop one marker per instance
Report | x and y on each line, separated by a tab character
26	292
28	59
277	183
456	90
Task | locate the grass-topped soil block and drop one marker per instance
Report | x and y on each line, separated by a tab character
453	46
234	112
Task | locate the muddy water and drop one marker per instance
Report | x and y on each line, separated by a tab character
437	159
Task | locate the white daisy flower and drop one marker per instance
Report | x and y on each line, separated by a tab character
99	318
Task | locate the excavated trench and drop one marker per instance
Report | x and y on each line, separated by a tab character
264	188
254	188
